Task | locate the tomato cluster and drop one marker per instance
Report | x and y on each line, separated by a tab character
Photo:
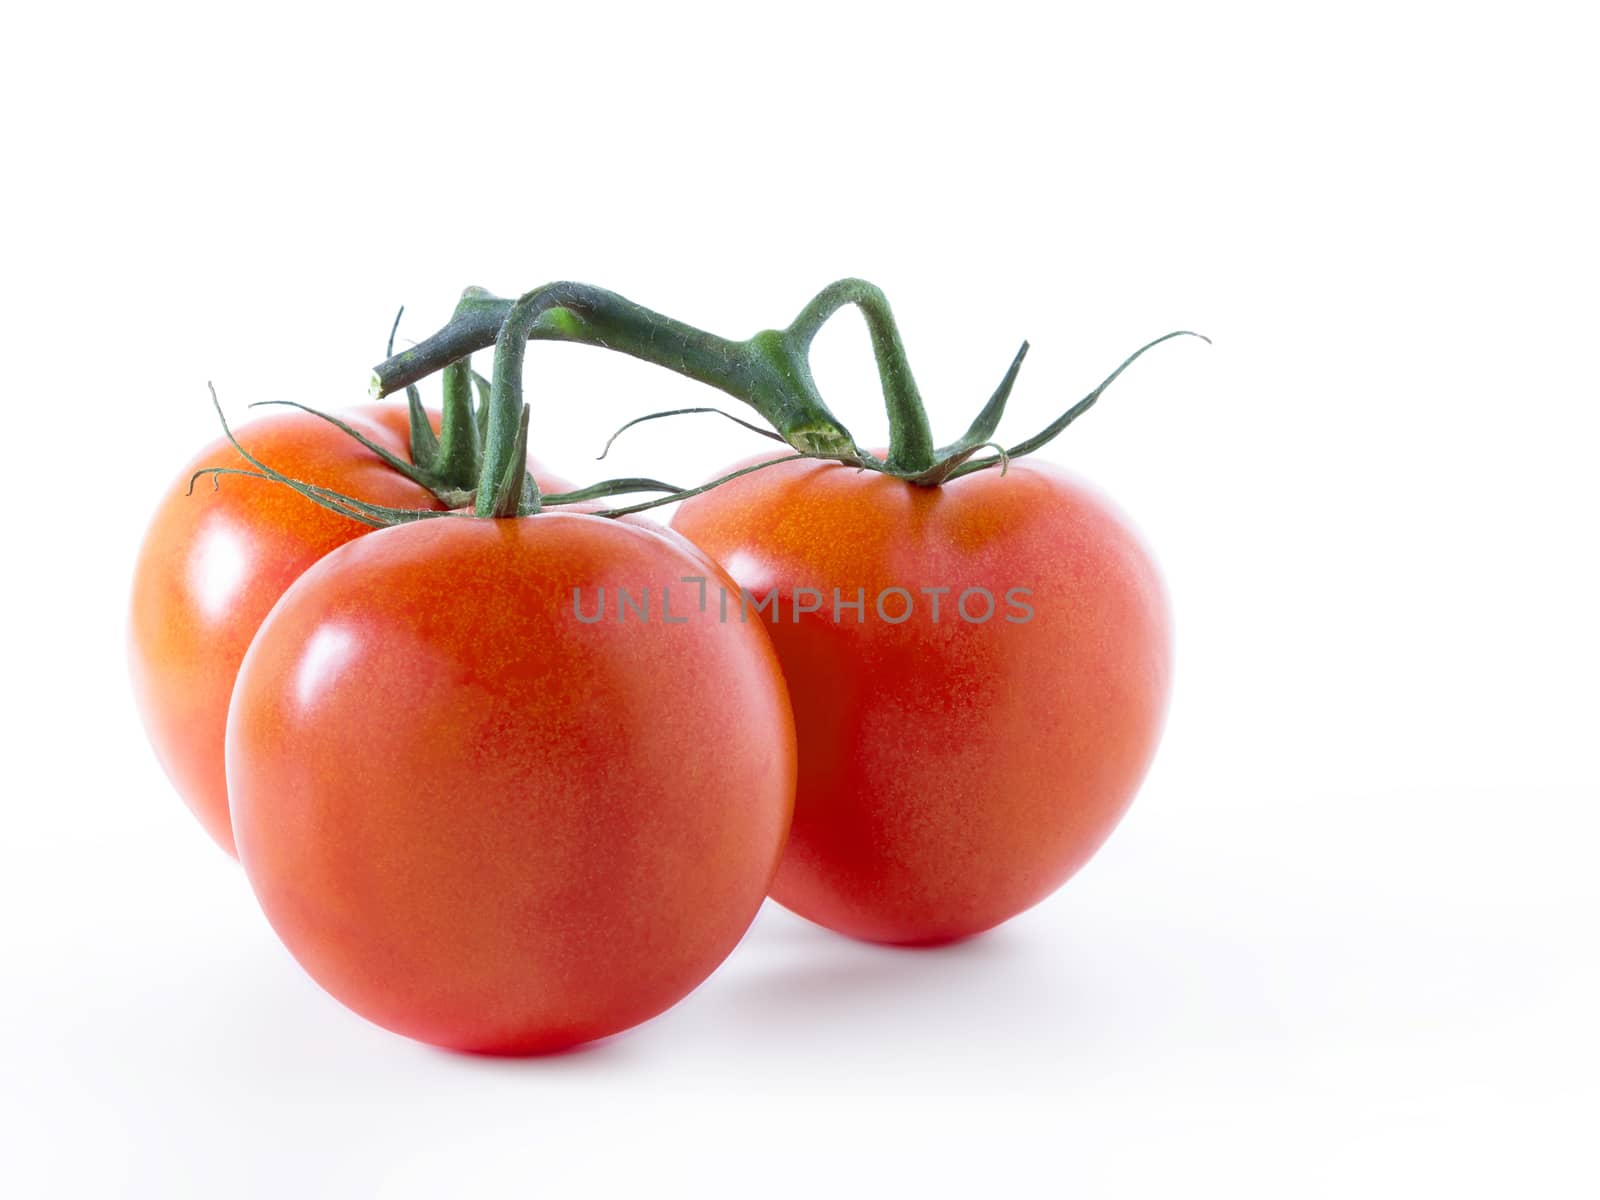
510	783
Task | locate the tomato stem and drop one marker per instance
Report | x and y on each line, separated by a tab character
504	486
910	437
769	371
494	432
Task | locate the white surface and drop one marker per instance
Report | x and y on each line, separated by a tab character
1344	944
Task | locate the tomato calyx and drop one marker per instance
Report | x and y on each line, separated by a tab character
516	495
476	465
770	371
957	459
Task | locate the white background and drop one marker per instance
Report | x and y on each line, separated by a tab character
1344	945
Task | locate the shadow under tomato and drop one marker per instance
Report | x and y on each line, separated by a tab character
796	977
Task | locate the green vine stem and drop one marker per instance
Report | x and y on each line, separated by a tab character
770	371
480	457
503	477
910	437
765	371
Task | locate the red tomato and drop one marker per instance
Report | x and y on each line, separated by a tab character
953	771
486	823
213	563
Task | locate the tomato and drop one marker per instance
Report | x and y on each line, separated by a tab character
215	561
488	813
956	766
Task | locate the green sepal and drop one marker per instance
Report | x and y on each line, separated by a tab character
611	487
978	434
424	443
1052	430
377	515
681	412
394	329
460	451
380	516
483	387
688	493
391	460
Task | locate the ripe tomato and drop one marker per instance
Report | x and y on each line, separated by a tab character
955	768
486	812
214	562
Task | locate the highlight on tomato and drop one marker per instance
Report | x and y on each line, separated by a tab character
977	648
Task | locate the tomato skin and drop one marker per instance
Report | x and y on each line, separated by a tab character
484	824
215	561
952	774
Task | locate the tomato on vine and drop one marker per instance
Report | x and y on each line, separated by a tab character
485	808
498	779
979	673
